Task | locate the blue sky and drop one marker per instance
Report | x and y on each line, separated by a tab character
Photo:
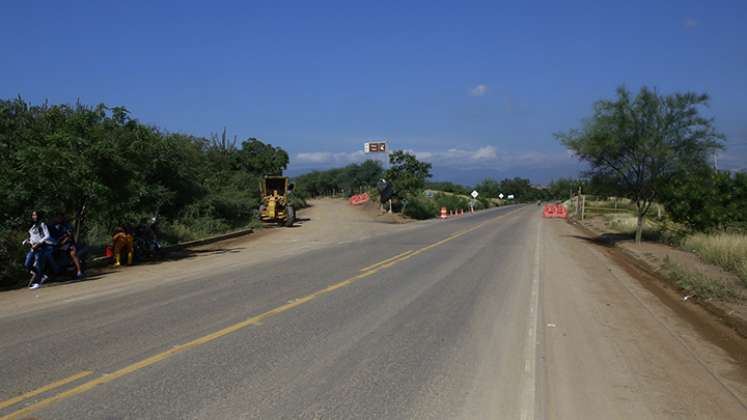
477	88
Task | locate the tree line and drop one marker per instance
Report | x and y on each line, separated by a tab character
102	168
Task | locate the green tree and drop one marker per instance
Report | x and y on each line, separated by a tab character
262	159
407	174
707	199
637	145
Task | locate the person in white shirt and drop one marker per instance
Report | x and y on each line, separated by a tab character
40	242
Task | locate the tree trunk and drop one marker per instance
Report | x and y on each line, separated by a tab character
639	229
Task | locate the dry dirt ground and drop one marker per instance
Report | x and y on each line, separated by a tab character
615	344
327	221
653	256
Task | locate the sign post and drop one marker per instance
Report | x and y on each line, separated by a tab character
379	147
472	202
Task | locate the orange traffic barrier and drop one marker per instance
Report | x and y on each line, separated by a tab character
555	211
359	199
443	213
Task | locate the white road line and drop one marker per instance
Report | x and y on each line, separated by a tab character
529	381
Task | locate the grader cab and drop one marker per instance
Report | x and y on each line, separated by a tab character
275	206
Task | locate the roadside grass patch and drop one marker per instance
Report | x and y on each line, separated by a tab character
727	250
699	284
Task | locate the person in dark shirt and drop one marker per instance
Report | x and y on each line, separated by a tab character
62	233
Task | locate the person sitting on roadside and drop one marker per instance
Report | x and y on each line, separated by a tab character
40	242
62	233
123	238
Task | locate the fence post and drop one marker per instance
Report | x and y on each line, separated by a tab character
583	206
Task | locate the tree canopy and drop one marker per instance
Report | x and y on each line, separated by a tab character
407	174
102	167
347	180
637	145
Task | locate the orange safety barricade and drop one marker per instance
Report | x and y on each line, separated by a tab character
359	199
555	211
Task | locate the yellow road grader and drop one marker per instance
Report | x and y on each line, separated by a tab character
276	206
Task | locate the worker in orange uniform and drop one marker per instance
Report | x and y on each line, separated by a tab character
123	238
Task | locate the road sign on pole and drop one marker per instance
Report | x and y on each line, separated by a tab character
500	196
510	196
475	194
375	147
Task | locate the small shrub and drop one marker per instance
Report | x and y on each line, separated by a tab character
421	208
12	253
450	201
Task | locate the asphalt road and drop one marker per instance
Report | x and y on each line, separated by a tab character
446	320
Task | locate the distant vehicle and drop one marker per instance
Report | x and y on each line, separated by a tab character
276	207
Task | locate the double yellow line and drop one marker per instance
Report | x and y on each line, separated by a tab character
256	320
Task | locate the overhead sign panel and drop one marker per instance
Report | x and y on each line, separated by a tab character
375	147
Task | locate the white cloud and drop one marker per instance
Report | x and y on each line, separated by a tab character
690	23
487	152
479	90
313	157
484	157
329	157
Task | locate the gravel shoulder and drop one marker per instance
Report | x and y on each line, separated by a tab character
658	258
616	346
326	222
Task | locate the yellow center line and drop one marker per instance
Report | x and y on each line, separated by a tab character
46	388
255	320
372	266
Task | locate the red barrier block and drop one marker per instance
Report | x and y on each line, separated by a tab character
359	199
553	211
549	210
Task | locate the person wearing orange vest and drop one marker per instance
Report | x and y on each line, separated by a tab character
122	238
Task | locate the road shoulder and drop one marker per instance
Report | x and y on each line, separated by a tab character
614	346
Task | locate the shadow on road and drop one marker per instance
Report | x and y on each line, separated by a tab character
607	240
174	255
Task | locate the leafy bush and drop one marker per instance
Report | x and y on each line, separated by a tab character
421	208
104	168
452	202
707	200
11	259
